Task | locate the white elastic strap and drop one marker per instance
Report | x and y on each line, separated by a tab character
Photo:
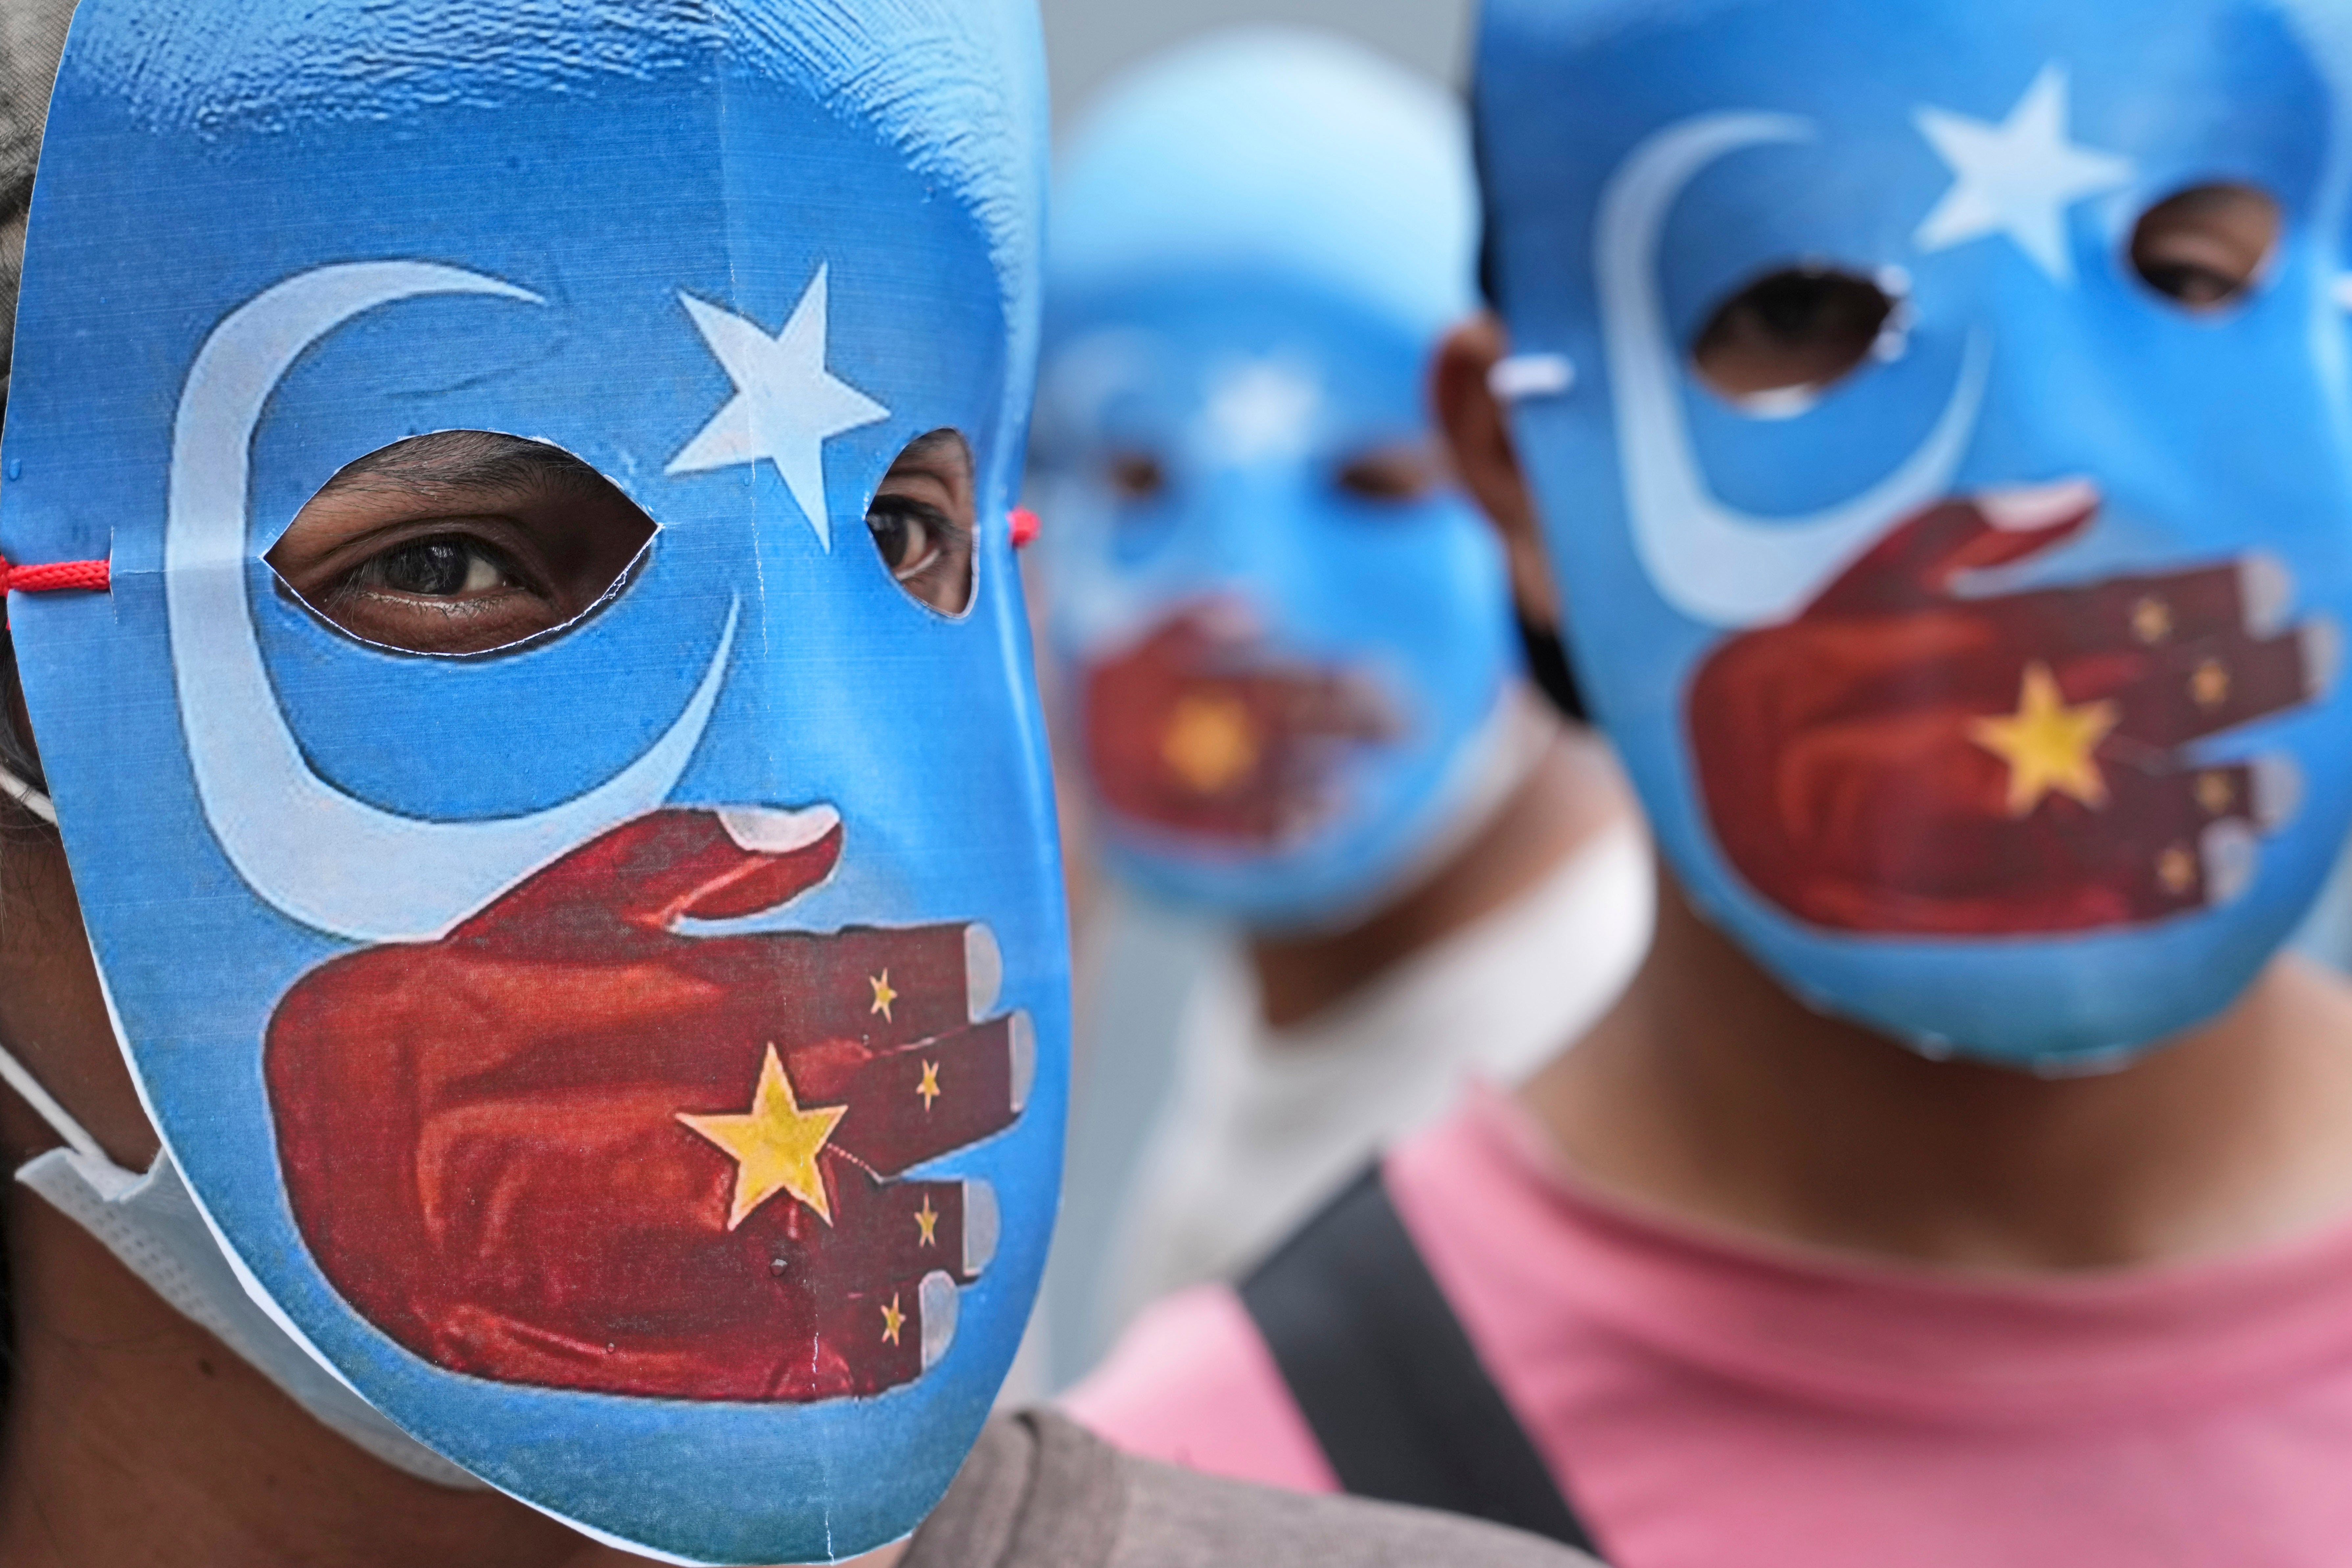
153	1228
1521	377
60	1121
167	1244
31	799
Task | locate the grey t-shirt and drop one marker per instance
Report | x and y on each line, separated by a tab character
1042	1492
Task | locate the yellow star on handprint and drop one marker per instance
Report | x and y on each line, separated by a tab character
2047	744
893	1320
883	994
1210	742
774	1145
926	1220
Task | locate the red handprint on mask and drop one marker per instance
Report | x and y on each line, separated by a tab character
566	1145
1198	729
1900	759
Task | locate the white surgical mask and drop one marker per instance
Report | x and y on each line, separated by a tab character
153	1227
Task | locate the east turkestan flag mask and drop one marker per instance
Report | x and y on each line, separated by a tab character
628	1052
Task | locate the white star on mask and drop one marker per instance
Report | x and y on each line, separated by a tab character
2017	178
786	404
1261	410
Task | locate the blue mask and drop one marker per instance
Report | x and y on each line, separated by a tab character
1286	640
1959	575
632	1059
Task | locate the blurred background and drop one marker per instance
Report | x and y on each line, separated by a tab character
1140	965
1088	41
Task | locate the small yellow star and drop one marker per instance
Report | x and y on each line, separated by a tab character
775	1146
2175	869
2151	620
883	994
2215	793
926	1220
1210	742
2208	684
2048	744
893	1321
930	1087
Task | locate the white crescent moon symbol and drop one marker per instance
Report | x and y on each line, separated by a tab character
1713	563
322	856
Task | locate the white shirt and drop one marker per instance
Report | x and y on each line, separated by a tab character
1262	1124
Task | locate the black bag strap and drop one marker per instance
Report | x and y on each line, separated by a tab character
1387	1379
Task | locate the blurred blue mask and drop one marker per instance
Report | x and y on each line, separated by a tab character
1285	637
1940	424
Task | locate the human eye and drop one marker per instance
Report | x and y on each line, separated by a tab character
1392	475
1135	475
2205	246
919	541
1790	334
922	522
451	566
446	593
463	542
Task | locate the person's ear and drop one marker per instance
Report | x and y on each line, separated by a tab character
1478	436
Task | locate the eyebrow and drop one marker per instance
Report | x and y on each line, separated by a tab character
471	460
946	439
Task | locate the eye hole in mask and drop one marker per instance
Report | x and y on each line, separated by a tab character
462	541
2207	247
1775	346
923	521
1386	476
1136	476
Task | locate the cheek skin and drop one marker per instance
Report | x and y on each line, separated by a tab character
52	1015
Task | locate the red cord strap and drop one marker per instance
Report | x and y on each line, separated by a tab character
96	576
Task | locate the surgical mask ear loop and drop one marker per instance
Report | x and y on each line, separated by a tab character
152	1224
28	1088
16	789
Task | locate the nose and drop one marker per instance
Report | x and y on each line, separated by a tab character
2060	401
1241	527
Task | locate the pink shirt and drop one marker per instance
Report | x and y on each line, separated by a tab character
1712	1401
